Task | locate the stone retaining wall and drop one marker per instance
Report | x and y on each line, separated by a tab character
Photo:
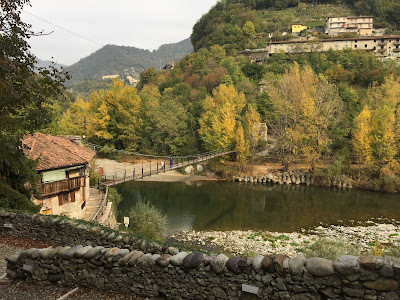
165	273
61	231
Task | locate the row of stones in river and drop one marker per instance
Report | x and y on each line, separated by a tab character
289	178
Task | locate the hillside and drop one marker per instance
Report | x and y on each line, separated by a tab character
47	63
113	59
233	24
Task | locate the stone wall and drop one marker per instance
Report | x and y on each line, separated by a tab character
170	274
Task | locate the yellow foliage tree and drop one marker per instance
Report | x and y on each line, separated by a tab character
383	126
241	147
76	120
306	106
218	122
362	137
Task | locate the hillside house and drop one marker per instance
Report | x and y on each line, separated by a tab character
297	28
362	25
64	171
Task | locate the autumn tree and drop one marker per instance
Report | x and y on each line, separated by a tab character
241	147
362	137
218	122
306	107
380	121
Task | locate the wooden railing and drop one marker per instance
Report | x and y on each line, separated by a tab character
61	185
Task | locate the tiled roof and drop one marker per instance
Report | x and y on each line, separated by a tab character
55	152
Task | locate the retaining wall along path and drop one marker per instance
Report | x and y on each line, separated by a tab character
160	271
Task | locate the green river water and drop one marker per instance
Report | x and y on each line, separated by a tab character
224	205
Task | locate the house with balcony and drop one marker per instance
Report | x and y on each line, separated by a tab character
362	25
63	167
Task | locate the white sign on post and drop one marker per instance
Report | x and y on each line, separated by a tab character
126	221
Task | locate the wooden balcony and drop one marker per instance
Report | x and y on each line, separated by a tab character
65	185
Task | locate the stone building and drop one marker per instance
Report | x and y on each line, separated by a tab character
381	46
63	166
362	25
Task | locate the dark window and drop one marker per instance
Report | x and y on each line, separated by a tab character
355	41
374	41
365	46
355	46
382	41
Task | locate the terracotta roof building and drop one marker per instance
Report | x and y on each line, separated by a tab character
55	152
63	166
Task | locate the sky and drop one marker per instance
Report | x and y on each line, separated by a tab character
80	27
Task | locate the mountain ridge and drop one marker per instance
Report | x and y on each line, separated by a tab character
126	60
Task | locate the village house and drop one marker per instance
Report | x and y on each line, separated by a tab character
362	25
63	166
297	28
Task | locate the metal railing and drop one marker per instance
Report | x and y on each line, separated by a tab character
103	204
154	168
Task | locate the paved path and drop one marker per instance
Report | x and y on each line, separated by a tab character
93	203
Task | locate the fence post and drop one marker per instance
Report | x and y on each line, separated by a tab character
133	173
157	167
150	169
125	176
142	172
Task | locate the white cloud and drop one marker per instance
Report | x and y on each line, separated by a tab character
142	24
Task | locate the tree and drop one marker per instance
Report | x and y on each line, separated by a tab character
24	93
241	147
249	29
218	122
306	108
362	137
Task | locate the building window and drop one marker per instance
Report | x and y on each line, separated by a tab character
355	41
365	46
355	46
374	41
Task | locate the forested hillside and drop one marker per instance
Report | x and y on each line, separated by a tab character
335	108
112	59
237	24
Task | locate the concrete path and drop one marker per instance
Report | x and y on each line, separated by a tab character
93	203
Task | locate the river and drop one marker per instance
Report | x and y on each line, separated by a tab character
225	205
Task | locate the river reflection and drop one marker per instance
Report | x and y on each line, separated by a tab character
232	206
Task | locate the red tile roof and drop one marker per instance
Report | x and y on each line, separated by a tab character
55	152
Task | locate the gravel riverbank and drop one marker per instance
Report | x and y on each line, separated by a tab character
251	242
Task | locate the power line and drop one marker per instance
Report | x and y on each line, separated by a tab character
78	35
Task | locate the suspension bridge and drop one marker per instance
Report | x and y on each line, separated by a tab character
145	165
148	165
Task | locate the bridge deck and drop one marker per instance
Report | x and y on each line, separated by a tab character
139	171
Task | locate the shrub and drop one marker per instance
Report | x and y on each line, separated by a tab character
147	221
115	198
12	199
94	175
329	249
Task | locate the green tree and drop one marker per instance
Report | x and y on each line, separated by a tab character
249	29
24	93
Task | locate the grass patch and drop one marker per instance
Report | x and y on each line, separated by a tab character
330	249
